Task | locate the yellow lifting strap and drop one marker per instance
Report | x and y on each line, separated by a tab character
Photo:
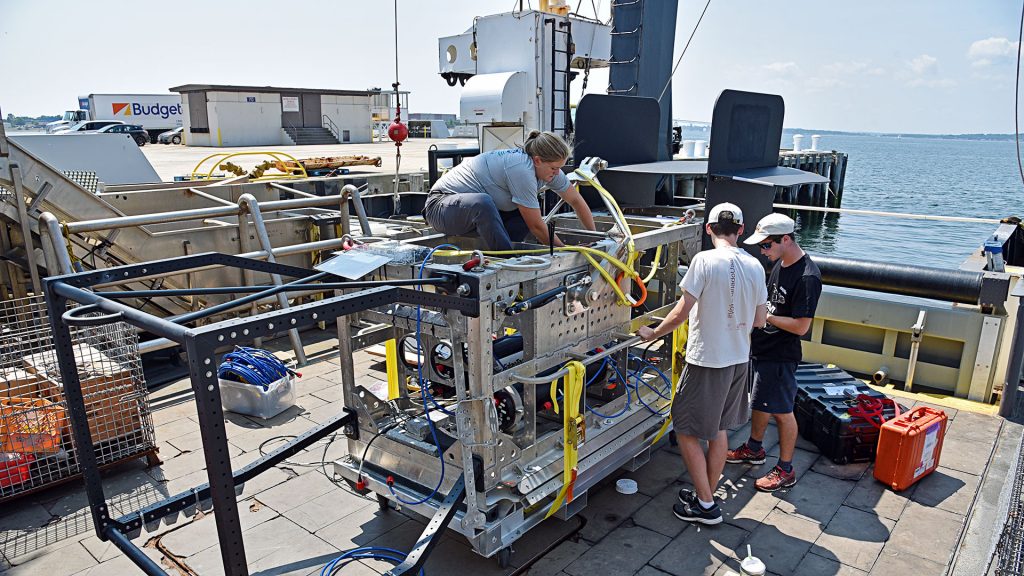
391	362
574	430
678	360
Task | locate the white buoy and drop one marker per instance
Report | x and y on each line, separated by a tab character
815	139
688	148
798	141
700	148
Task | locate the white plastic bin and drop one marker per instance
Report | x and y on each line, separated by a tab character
252	400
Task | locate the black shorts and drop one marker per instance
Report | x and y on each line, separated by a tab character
774	387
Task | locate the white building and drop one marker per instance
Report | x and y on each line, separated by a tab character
217	115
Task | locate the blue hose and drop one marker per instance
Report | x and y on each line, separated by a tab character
371	552
425	391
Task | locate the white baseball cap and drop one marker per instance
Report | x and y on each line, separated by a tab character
771	225
725	212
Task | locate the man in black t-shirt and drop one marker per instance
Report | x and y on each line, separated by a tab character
794	286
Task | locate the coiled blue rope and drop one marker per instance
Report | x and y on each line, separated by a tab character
252	366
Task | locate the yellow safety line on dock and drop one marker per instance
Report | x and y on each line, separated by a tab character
939	399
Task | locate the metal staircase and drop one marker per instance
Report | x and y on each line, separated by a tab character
310	136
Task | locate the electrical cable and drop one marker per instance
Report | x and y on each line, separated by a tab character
365	552
425	391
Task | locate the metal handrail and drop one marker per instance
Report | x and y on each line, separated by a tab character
326	122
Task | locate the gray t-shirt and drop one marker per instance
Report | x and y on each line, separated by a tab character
507	175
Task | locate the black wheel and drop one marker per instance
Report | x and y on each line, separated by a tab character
140	141
504	557
383	503
175	139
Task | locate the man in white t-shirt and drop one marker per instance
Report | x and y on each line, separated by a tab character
724	298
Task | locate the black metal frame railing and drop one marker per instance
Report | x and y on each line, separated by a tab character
200	343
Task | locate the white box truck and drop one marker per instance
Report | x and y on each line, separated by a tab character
155	112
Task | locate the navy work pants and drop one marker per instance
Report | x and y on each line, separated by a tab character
466	213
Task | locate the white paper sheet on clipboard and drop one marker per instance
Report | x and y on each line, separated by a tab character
353	264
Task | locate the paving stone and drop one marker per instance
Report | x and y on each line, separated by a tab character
947	489
303	555
607	509
950	412
624	551
664	469
964	455
872	496
178	428
552	563
922	528
649	571
198	535
699	550
743	506
117	564
264	481
323	413
854	538
814	565
296	492
251	440
657	514
23	516
325	510
815	497
898	562
361	527
181	465
782	540
825	465
269	546
329	393
61	560
318	369
972	427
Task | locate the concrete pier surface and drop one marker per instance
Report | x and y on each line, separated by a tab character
835	520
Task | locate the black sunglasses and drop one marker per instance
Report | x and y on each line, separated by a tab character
767	244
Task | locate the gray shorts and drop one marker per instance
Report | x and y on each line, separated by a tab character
709	400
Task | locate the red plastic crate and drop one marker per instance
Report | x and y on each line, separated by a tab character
14	468
909	447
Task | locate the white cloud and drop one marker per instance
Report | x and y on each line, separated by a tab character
991	51
923	64
786	68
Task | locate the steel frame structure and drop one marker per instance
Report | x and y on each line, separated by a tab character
200	344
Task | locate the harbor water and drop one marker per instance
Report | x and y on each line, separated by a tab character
933	176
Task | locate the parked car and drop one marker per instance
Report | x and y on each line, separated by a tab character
137	132
89	126
170	137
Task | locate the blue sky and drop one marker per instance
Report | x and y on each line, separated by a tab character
938	66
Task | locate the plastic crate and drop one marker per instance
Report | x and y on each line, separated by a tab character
253	400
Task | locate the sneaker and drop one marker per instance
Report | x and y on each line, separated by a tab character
695	513
743	454
687	496
777	478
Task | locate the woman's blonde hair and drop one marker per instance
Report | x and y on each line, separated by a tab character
550	147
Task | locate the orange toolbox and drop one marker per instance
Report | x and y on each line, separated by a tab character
909	447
